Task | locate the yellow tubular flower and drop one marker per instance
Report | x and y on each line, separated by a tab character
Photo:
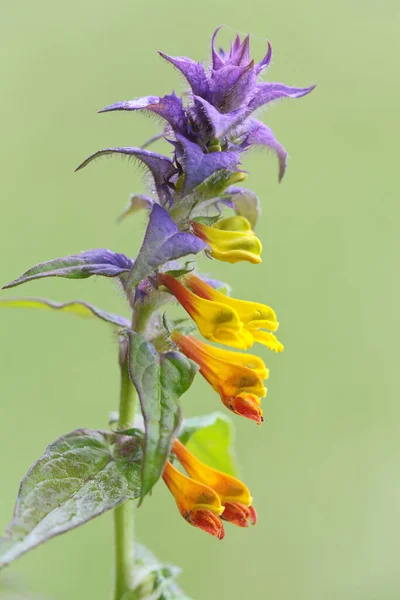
234	495
230	240
198	503
236	377
253	315
216	321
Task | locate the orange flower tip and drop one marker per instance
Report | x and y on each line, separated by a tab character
239	514
207	521
253	515
248	405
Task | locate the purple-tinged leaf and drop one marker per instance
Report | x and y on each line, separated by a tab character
169	108
162	242
246	204
258	134
194	73
218	124
232	87
160	380
77	479
236	44
268	92
78	266
198	166
161	167
264	63
75	307
217	60
136	202
154	138
240	54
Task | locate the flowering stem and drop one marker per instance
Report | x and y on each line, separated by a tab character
141	315
123	514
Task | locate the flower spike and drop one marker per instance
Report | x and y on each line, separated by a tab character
193	208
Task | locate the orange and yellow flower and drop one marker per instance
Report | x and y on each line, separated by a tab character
236	377
233	494
199	504
230	240
207	495
236	323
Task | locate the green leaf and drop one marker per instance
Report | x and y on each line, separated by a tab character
75	307
78	478
210	439
79	266
215	185
207	220
247	205
184	326
153	580
188	267
150	576
160	380
136	202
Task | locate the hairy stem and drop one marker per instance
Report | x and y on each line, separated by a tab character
141	315
123	514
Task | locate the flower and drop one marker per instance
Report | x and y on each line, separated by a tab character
233	494
231	240
217	322
198	503
253	315
222	319
236	377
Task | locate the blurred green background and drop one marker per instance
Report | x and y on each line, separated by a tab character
324	468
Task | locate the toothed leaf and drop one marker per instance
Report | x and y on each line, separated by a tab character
78	266
77	479
75	307
160	380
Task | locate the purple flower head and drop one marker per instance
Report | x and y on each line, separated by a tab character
217	119
225	96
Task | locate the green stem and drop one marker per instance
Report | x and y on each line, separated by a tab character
123	514
141	316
